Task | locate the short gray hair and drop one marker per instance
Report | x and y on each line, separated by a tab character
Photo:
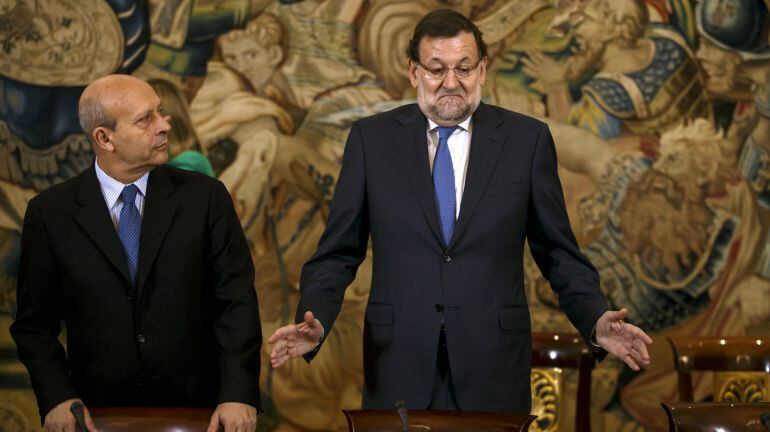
92	114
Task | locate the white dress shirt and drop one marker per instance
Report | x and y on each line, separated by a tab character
112	188
459	146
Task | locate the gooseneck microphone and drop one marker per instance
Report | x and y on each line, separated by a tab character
403	415
80	421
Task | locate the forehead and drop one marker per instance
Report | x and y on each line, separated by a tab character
451	48
240	43
131	99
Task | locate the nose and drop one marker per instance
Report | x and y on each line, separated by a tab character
450	81
164	124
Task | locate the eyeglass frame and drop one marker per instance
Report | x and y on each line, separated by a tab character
446	70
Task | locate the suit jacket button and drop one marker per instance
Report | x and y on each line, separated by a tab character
439	307
447	258
140	338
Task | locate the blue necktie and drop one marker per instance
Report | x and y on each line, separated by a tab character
129	229
444	183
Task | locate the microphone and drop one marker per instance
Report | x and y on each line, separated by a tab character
80	421
765	419
403	415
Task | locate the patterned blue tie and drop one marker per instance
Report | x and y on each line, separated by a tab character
129	229
444	183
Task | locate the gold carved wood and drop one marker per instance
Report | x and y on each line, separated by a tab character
741	386
547	388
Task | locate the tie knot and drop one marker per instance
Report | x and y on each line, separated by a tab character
445	131
129	194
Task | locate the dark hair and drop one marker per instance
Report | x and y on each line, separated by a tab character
443	23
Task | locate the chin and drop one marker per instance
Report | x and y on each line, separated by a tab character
455	112
161	158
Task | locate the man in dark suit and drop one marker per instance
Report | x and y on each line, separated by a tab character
449	189
148	267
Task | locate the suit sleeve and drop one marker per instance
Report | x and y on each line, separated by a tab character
343	244
553	244
38	316
237	324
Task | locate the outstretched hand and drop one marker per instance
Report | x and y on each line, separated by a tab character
623	340
295	340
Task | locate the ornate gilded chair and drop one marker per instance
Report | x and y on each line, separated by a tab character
445	421
120	419
552	352
741	366
723	417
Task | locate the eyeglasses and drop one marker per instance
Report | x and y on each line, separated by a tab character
461	71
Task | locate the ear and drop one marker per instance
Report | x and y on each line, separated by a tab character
413	73
102	138
275	55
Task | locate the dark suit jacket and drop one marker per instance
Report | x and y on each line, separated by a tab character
512	194
187	334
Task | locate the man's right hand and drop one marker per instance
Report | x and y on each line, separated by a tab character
60	418
295	340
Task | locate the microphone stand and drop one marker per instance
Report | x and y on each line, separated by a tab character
403	415
80	421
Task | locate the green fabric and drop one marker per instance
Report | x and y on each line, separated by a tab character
191	60
208	20
211	19
192	160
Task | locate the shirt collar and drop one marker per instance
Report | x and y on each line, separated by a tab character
112	188
464	125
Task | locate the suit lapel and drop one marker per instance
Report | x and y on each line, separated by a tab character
94	218
159	210
412	144
486	144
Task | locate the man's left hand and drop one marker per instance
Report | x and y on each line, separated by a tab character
233	417
623	340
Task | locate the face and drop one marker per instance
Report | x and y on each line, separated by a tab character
720	66
139	141
448	100
251	59
590	27
672	163
684	160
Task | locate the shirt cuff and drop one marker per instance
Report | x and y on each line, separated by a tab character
593	341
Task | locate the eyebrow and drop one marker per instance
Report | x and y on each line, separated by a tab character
145	112
141	114
436	59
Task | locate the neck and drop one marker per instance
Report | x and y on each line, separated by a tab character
444	123
122	174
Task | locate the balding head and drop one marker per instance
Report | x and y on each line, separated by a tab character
124	120
94	107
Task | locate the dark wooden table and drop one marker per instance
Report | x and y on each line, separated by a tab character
437	421
125	419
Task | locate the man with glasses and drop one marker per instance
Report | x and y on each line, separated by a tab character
449	189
